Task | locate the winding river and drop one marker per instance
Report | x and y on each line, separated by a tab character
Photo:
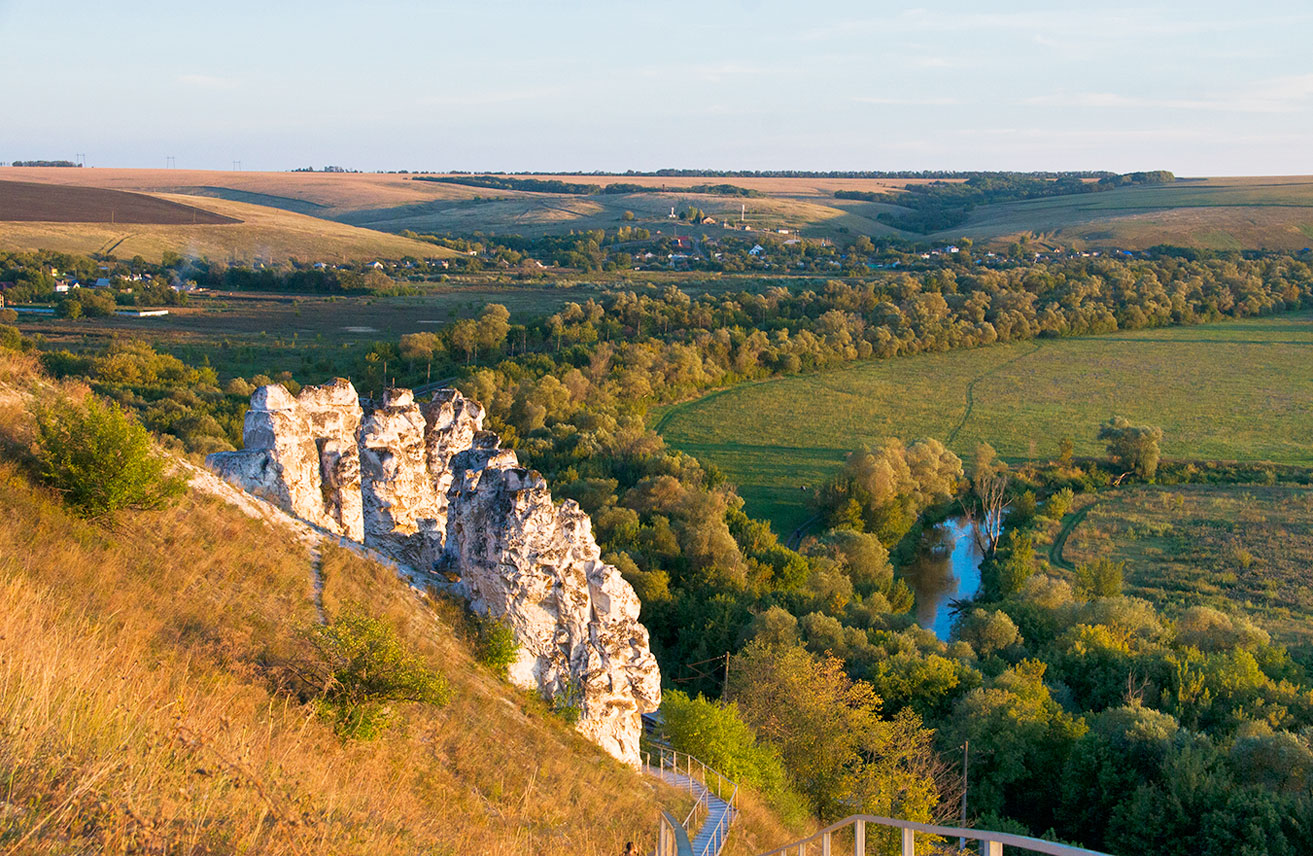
946	568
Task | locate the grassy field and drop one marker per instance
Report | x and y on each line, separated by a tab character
1217	213
1231	544
1234	391
315	336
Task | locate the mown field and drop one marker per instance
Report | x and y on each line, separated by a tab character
1248	545
1231	391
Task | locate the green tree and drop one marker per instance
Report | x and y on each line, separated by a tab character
493	325
1019	740
1134	448
100	458
839	751
464	335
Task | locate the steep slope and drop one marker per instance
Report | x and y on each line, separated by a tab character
142	702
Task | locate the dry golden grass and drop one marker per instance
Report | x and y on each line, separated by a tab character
140	708
332	192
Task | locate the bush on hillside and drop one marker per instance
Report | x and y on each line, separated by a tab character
10	338
358	666
100	459
496	646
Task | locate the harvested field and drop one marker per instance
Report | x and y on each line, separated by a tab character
32	202
260	233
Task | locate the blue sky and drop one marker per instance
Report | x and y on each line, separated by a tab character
1202	88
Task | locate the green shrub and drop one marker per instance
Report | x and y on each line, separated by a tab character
100	459
1059	504
496	646
716	735
569	703
358	666
10	338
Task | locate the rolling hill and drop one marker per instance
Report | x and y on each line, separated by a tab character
306	214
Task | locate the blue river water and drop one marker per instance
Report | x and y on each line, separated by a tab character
946	568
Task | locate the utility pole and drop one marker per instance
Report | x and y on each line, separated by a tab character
724	689
170	162
966	748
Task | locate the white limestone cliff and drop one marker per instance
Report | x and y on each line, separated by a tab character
428	487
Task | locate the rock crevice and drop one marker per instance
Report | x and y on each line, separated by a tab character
429	487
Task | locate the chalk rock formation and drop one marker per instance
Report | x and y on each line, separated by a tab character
430	488
400	504
538	568
301	454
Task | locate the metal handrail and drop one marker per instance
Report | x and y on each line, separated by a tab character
994	840
672	759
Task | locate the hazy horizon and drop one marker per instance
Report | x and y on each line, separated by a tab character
511	86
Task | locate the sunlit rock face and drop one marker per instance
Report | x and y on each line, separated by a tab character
302	454
429	487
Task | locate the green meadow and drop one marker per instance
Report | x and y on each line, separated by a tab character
1230	391
1250	545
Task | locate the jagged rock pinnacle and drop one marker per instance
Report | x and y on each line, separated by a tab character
429	487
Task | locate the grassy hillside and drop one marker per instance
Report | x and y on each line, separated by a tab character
1235	391
142	700
1216	213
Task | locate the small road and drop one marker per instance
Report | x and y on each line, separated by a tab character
796	536
1069	524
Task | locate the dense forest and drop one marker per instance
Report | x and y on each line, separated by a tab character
1091	716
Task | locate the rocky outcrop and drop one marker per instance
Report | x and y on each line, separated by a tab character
428	487
301	454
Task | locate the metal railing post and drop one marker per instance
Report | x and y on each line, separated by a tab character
909	842
825	844
995	848
859	838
